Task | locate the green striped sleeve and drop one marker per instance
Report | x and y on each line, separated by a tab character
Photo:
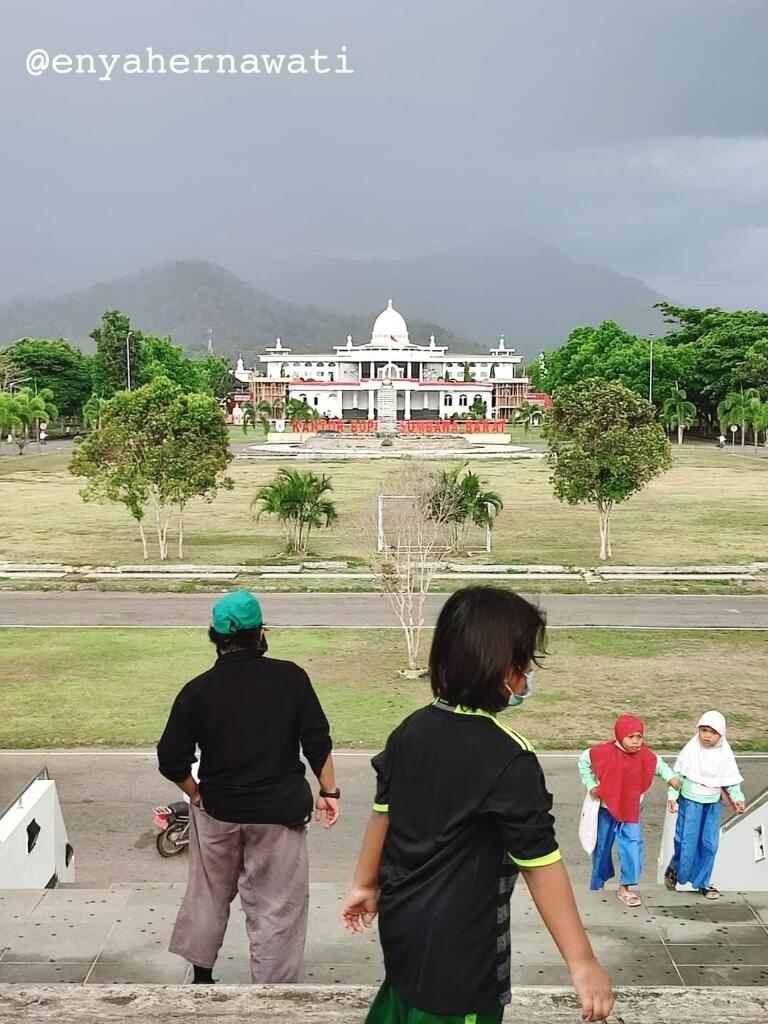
538	862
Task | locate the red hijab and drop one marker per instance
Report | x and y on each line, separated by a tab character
623	777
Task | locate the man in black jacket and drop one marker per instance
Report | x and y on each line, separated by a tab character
251	716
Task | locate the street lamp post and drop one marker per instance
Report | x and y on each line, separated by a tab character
650	369
128	357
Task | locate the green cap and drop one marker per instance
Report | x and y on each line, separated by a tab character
236	611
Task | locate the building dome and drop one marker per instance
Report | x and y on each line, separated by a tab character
390	329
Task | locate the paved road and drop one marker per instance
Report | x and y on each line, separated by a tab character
107	799
656	611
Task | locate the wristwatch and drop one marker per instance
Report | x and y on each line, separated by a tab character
331	796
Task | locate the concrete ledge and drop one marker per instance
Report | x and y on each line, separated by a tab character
332	1004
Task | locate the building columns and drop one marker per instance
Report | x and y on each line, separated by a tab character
371	409
407	411
408	370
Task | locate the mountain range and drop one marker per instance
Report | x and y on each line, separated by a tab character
510	284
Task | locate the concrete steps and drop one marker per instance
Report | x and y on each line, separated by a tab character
146	1004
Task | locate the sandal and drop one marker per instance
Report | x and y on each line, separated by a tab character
629	899
670	879
710	893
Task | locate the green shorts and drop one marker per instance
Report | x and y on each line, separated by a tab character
390	1008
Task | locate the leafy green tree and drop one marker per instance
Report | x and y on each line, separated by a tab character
56	366
717	343
117	344
300	502
610	353
752	371
467	370
478	410
157	449
678	412
604	446
29	409
214	376
161	358
459	501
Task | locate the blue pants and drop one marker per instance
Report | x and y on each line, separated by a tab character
697	837
629	840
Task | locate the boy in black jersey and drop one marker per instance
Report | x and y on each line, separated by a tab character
461	809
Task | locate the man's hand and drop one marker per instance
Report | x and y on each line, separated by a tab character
359	909
196	799
328	807
593	989
675	783
595	793
739	807
672	806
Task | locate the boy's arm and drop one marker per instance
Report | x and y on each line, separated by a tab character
551	890
362	901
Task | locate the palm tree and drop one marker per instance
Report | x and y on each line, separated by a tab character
529	415
9	419
754	405
737	409
299	411
257	414
299	501
278	407
93	411
460	501
30	408
678	412
760	422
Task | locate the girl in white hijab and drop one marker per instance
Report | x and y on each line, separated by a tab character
706	767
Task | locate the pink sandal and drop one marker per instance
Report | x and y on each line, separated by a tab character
630	899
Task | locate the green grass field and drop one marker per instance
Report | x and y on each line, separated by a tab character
114	687
711	507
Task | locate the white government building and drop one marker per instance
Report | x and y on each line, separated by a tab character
430	383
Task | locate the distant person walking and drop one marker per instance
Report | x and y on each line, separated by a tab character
251	716
708	771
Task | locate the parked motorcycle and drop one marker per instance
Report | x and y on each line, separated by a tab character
173	822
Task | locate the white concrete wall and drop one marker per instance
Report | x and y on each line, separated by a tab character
738	866
20	869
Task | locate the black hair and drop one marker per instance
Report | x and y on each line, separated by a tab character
241	640
482	634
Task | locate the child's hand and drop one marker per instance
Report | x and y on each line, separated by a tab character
593	989
675	784
672	806
740	807
359	909
595	793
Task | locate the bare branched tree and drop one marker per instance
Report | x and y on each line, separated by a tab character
409	541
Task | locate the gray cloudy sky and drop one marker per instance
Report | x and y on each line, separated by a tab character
632	135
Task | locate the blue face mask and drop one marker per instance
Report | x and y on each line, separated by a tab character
516	699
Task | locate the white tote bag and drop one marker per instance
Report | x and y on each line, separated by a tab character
590	810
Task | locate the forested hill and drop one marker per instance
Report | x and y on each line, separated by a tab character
189	298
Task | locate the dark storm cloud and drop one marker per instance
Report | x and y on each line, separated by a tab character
632	135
